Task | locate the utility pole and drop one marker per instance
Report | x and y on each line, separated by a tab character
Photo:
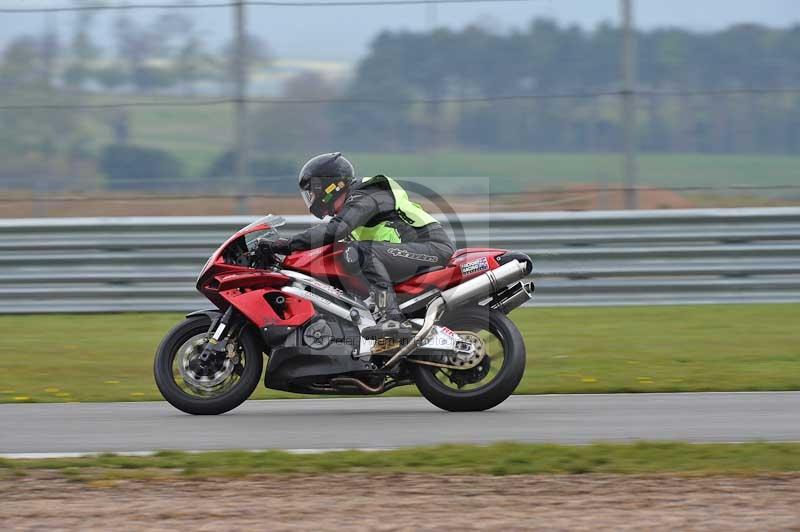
431	16
628	102
241	62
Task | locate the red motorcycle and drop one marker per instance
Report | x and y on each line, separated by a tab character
466	354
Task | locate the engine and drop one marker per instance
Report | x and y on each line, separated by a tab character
311	355
323	331
318	334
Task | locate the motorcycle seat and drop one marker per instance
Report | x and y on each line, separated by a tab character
428	269
423	269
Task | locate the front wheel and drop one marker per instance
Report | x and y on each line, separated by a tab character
208	389
492	380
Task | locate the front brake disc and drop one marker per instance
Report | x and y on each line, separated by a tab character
188	352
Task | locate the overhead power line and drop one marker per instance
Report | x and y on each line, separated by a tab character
544	191
381	101
293	101
266	3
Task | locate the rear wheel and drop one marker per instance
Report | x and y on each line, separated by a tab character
209	388
490	382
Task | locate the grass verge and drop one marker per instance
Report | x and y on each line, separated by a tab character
497	459
61	358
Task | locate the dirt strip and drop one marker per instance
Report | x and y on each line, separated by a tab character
406	502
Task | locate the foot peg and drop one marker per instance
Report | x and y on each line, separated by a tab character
393	329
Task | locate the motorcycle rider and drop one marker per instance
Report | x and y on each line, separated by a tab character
390	237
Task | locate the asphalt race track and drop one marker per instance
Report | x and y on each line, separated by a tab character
396	422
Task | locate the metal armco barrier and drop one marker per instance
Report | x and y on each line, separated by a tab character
586	258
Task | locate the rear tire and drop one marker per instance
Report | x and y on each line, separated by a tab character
500	387
230	399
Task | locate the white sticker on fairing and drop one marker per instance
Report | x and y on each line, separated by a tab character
474	266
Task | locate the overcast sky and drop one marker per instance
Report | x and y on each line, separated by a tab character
343	33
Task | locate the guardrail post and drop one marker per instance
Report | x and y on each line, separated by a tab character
629	103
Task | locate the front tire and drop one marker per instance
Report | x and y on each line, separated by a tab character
504	382
168	382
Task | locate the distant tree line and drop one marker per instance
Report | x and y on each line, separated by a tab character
550	59
487	70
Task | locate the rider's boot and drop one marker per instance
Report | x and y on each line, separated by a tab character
391	323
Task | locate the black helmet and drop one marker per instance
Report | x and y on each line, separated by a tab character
323	179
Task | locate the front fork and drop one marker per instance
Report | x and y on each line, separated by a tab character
225	329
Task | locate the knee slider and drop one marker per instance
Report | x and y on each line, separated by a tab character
352	258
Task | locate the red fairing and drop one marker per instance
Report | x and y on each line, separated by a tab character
463	266
253	304
215	266
247	292
247	289
325	264
318	262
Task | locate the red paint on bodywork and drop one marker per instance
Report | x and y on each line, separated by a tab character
451	275
325	264
254	306
247	289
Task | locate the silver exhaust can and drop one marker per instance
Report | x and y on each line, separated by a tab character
512	298
485	285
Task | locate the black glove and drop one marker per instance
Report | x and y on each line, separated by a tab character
280	246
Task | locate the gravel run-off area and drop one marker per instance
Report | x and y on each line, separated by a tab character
405	502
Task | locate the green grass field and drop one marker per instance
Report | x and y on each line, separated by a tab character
525	171
197	135
497	459
57	358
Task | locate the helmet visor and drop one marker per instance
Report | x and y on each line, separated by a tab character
308	197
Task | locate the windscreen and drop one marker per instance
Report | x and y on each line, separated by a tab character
270	220
271	232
